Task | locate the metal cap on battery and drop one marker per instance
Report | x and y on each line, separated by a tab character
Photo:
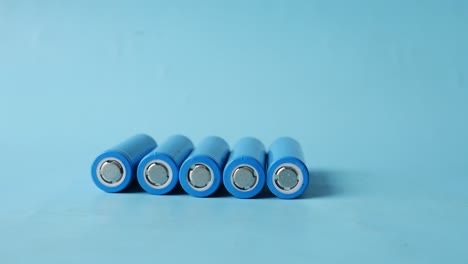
111	171
244	178
286	178
199	176
157	174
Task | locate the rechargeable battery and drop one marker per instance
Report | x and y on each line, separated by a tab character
201	174
244	174
158	172
287	174
115	169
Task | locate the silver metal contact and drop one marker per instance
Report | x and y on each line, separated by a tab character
244	178
200	176
157	174
111	172
286	178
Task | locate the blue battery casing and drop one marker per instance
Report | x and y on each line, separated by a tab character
172	152
213	152
129	153
287	151
250	152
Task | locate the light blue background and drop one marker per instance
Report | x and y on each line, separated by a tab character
376	91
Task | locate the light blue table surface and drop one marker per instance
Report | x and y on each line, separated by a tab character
376	91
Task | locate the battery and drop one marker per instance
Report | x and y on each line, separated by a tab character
115	169
201	174
287	174
158	172
244	174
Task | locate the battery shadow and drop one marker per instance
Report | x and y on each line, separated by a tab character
324	183
265	193
134	187
178	190
221	192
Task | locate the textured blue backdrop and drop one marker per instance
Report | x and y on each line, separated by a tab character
376	91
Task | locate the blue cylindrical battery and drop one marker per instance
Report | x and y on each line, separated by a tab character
287	175
201	174
158	172
244	174
115	169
